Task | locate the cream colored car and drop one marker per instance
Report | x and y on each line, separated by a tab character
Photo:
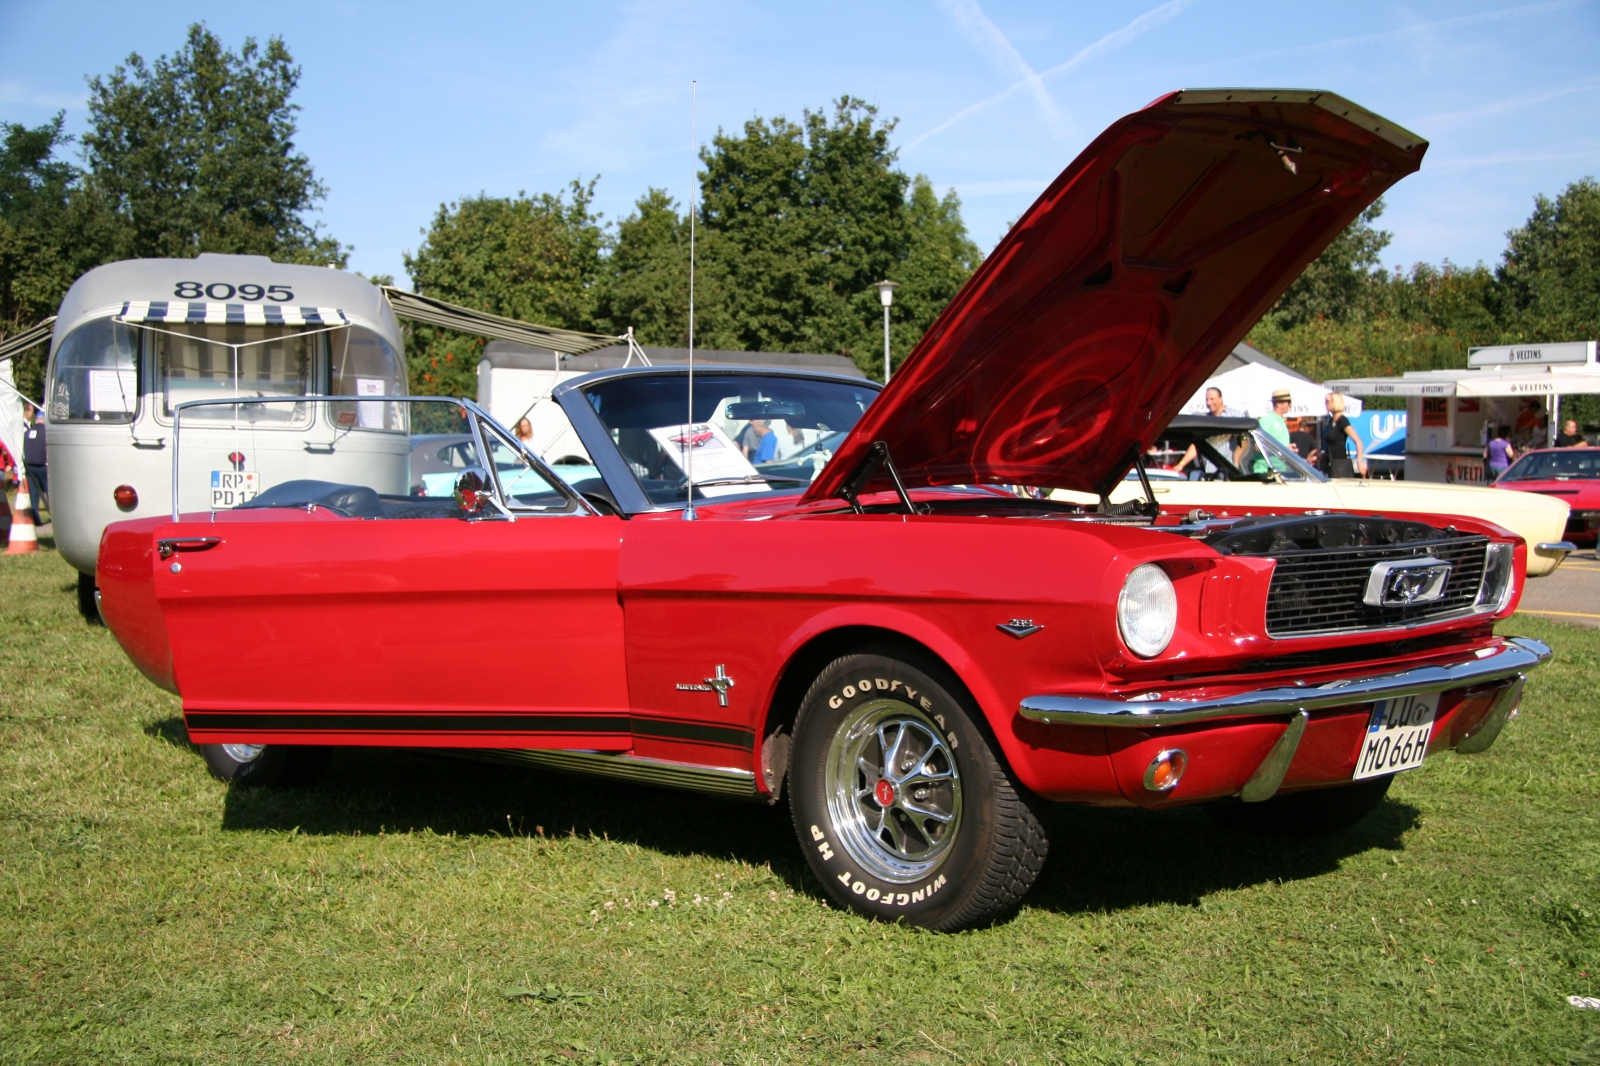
1243	471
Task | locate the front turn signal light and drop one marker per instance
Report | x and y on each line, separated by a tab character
126	496
1166	770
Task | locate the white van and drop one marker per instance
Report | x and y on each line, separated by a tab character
134	339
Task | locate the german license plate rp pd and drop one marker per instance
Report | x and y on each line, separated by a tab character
1397	735
230	488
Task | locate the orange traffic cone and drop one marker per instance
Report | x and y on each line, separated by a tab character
23	537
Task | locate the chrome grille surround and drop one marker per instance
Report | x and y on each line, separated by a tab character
1318	592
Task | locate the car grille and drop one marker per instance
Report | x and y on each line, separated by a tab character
1320	591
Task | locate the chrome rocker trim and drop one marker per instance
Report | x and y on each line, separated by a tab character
709	780
1516	656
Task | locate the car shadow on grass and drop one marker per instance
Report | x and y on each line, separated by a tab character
372	790
1110	860
1100	860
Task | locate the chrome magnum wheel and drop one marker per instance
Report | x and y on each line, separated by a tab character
894	792
901	802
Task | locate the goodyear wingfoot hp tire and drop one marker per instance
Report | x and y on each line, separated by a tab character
1306	815
265	765
902	806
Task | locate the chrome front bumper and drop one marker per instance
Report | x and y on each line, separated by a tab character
1507	661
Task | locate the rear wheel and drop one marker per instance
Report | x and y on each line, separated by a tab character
265	765
1306	814
902	806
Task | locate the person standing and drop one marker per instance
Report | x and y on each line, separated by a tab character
1275	427
36	459
524	432
1340	435
1215	408
1499	455
1273	421
1569	437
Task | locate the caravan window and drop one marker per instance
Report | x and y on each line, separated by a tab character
215	362
96	376
363	364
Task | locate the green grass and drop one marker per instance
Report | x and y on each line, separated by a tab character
391	914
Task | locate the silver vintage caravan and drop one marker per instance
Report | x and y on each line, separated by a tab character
135	339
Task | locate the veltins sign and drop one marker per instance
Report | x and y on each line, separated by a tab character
1532	354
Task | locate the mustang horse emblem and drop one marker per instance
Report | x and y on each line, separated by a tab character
720	684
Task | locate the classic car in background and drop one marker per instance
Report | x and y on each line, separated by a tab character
1571	475
1241	470
917	658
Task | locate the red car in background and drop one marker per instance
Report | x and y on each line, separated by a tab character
885	631
1571	475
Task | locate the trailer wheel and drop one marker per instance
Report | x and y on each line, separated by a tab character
903	807
265	765
88	604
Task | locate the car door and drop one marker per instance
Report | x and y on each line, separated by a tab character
502	629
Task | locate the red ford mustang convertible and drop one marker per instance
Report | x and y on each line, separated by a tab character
874	611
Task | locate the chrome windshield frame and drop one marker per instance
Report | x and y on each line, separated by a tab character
571	397
477	423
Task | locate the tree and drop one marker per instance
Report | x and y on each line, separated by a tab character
52	230
195	153
1549	278
535	258
645	282
1338	282
804	218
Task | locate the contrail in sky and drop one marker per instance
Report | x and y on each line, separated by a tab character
992	41
1110	42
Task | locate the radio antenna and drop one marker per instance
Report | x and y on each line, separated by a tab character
688	431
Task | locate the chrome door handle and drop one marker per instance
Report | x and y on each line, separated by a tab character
168	548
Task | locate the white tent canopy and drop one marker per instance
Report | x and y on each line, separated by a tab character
1249	389
1512	381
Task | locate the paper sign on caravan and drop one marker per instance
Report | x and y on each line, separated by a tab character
716	458
370	415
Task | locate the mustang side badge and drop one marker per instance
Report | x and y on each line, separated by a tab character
719	684
1019	627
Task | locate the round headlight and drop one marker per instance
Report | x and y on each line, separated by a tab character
1147	611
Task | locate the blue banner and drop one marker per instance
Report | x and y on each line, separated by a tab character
1383	433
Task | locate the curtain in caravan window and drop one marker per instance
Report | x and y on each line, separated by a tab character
216	362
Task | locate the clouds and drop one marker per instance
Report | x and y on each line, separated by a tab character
16	95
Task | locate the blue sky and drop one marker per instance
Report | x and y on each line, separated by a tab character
409	106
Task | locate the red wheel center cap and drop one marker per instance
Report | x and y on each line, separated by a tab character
883	792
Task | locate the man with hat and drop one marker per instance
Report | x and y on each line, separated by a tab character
1273	421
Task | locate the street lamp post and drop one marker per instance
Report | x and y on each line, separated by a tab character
886	294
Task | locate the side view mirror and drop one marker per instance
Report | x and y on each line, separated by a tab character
473	490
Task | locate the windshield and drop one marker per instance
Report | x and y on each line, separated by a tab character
1570	463
1282	459
750	433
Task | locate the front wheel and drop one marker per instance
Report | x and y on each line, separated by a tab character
265	765
902	806
1315	813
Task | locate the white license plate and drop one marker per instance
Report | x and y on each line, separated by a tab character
1397	735
230	488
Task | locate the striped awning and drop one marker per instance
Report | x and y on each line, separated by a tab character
222	314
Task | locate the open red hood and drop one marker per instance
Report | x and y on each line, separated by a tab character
1124	286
